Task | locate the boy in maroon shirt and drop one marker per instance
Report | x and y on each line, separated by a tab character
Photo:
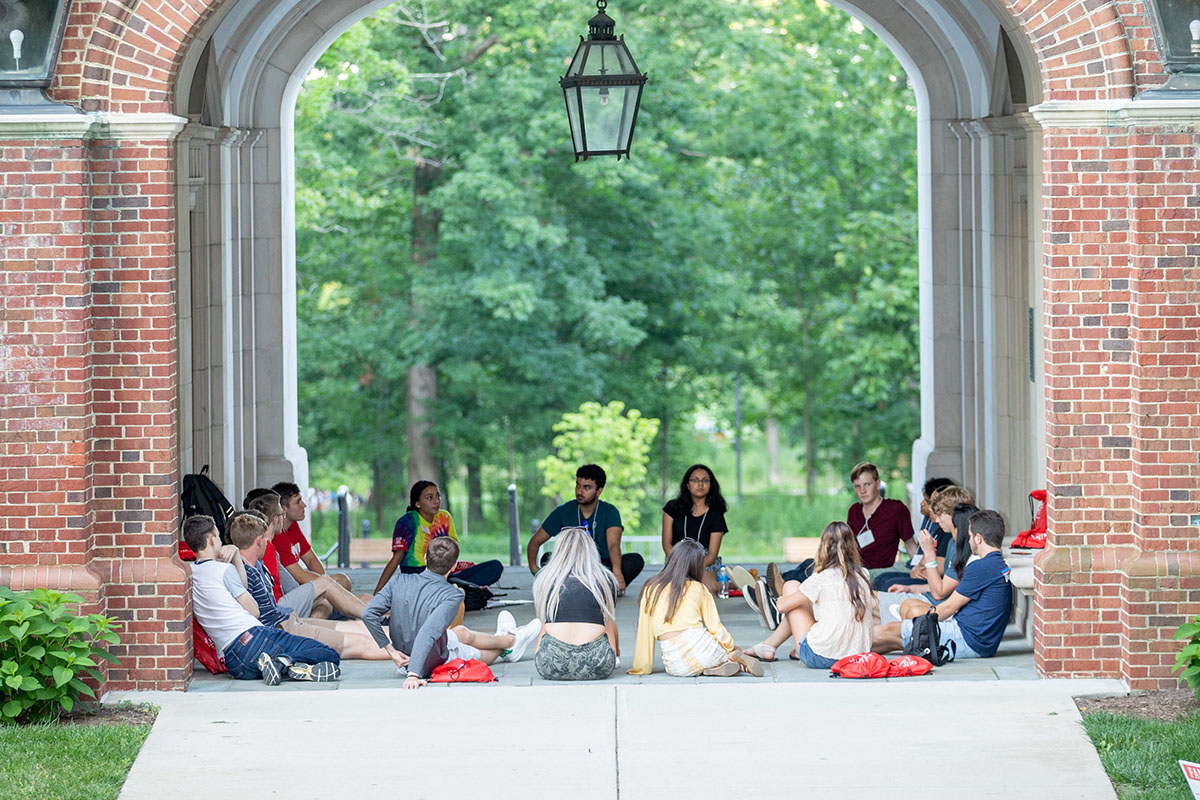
879	524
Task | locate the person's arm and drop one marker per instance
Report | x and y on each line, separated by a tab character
389	570
313	563
643	648
434	627
668	522
610	628
712	621
239	592
247	602
535	544
613	537
951	605
372	615
714	548
302	575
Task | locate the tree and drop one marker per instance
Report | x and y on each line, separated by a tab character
607	435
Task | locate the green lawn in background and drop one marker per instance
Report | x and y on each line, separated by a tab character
67	762
757	527
1142	756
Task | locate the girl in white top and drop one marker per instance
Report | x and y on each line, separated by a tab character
830	614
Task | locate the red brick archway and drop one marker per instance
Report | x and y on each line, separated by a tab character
90	462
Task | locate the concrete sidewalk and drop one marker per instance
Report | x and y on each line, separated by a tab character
839	739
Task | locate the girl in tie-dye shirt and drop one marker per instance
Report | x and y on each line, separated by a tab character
423	522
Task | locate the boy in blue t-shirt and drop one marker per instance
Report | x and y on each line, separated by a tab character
976	613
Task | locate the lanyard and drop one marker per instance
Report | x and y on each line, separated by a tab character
698	530
591	527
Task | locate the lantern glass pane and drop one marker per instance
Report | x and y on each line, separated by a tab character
607	59
28	38
1175	20
628	110
572	96
603	112
578	59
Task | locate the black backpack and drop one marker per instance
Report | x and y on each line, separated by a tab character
475	596
926	641
201	496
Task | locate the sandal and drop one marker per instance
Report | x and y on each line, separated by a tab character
762	651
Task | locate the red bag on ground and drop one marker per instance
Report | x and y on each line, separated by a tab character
861	665
460	671
205	649
1035	537
907	666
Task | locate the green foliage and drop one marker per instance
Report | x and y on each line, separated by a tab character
765	227
67	762
1142	756
1187	661
617	440
44	651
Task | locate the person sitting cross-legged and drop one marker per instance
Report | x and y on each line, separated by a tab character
248	532
976	612
829	614
423	606
229	615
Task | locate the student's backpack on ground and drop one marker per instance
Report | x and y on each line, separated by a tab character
201	496
926	641
475	596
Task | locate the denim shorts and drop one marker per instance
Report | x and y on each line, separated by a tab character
241	656
810	659
948	631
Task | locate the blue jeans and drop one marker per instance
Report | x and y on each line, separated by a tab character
241	657
812	660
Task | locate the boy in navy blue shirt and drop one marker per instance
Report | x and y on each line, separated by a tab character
976	612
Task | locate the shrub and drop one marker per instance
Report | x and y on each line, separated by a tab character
1188	659
44	650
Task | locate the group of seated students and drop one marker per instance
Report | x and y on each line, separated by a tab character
828	607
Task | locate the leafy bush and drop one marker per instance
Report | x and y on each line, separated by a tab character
44	650
1188	659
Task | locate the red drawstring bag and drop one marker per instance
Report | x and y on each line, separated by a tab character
861	665
908	666
460	671
1035	537
205	649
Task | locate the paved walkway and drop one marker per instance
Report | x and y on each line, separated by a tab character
1010	734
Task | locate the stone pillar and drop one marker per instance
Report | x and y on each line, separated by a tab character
1122	569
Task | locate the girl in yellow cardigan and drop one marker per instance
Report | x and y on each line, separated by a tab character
685	622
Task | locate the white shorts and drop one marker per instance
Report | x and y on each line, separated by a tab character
692	652
456	649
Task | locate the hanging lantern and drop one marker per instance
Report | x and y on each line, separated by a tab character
1176	25
603	90
31	34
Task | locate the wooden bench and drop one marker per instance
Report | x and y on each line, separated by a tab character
800	548
363	552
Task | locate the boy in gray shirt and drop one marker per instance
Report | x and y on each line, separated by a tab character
423	606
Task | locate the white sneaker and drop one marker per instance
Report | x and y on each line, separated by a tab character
524	636
506	623
893	611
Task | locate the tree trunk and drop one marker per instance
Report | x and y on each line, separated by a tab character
378	495
810	461
774	476
474	491
422	378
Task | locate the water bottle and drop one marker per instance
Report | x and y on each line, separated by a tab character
723	583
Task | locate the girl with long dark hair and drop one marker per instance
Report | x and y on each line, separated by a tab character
829	615
698	513
677	611
423	521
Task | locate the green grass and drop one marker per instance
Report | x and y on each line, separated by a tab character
757	527
1141	756
67	762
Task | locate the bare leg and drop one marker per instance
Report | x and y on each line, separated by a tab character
798	610
321	609
484	641
887	638
326	588
780	635
913	608
489	656
341	579
364	647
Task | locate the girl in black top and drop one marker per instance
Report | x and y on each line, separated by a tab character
698	513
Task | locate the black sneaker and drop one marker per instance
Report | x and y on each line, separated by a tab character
271	669
320	672
767	604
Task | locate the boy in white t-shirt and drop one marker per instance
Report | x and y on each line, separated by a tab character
229	615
